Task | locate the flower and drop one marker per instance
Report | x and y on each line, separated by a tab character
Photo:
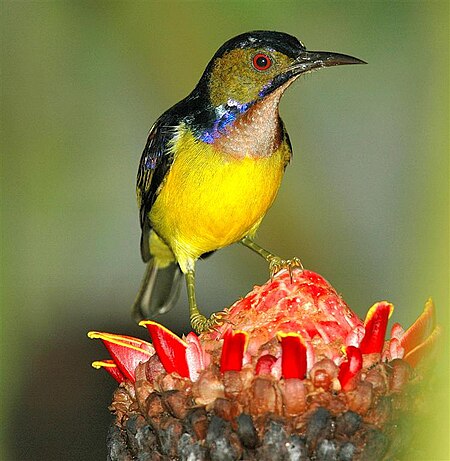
290	356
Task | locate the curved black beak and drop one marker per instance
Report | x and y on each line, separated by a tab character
310	60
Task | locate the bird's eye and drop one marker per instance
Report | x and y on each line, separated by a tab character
261	61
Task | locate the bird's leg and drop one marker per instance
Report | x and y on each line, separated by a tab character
199	322
275	262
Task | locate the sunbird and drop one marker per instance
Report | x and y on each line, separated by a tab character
213	164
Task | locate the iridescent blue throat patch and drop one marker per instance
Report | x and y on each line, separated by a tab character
226	114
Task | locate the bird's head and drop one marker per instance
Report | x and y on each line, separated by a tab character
249	68
252	65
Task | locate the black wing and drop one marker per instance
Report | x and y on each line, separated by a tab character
155	162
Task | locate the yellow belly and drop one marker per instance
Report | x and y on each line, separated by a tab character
208	200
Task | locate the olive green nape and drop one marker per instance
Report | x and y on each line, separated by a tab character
234	77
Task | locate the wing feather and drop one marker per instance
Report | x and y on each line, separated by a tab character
155	163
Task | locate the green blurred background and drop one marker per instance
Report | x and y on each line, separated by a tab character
364	202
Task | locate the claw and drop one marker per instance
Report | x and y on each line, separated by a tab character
201	324
276	264
222	320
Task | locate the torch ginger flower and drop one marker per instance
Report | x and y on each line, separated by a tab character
292	371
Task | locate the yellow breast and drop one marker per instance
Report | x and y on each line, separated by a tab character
209	200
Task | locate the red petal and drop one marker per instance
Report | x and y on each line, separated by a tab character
264	364
414	356
394	350
419	331
111	368
195	356
397	331
233	349
375	326
350	367
293	355
127	352
170	348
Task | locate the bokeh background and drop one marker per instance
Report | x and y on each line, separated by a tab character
364	202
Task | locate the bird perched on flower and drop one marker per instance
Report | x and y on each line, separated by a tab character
213	163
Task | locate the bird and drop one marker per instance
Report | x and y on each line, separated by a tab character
213	163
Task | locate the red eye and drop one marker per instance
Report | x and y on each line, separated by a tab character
261	61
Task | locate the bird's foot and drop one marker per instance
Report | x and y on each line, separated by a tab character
276	264
202	324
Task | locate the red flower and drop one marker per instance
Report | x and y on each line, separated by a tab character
282	329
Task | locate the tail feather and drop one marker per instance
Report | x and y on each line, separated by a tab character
159	291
